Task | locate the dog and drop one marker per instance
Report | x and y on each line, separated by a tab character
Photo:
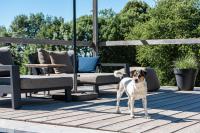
135	87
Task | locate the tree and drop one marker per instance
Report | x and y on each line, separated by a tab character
27	26
134	12
117	26
36	26
168	20
4	32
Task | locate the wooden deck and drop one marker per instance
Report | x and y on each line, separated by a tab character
170	111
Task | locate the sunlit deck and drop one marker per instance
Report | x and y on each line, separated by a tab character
170	111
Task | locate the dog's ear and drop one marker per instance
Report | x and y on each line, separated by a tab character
132	73
143	72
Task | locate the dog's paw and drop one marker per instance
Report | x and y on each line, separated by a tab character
147	117
118	112
132	116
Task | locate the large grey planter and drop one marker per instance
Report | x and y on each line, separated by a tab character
185	78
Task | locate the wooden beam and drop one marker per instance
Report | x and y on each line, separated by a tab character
151	42
4	40
95	26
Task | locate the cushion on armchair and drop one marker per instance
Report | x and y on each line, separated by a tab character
5	59
44	58
61	57
87	64
33	59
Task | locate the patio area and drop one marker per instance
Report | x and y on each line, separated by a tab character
170	111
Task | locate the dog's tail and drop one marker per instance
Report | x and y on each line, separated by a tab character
118	74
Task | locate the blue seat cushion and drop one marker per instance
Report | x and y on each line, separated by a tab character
87	64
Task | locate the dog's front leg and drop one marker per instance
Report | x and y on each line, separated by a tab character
132	102
144	102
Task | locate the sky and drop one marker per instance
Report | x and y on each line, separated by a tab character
60	8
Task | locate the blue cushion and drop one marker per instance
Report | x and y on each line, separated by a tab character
87	64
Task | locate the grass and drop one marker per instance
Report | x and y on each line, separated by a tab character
187	62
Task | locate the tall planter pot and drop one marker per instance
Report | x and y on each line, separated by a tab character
185	78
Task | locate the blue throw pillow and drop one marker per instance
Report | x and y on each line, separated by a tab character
87	64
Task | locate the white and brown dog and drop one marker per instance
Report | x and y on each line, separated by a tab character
135	88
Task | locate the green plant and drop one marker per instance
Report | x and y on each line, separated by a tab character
186	62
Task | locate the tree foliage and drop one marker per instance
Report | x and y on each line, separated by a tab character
170	19
36	26
134	12
117	27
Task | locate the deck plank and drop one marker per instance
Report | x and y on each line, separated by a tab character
83	116
15	115
171	111
44	114
51	113
87	120
104	123
164	118
127	124
179	125
63	115
41	114
180	122
190	129
64	120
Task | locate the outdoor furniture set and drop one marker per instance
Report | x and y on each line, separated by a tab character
54	71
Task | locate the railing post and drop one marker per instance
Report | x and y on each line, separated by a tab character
95	27
127	69
15	86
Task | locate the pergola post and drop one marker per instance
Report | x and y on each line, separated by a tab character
74	43
95	27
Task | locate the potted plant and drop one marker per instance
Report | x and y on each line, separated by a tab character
186	69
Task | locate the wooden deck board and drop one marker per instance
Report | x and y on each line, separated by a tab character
175	126
41	114
99	124
75	118
136	121
93	119
190	129
51	113
120	124
83	116
16	115
171	111
167	115
162	118
65	115
33	116
64	120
